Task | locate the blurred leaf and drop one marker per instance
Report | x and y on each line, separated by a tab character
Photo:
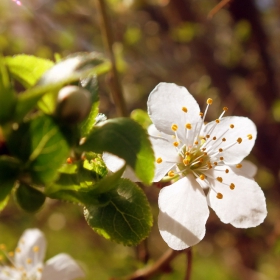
41	145
132	35
9	169
276	110
28	198
127	139
91	85
7	95
141	117
27	69
126	216
67	71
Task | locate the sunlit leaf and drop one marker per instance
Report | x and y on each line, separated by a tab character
127	139
141	117
125	216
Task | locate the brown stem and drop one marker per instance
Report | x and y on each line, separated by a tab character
114	77
149	271
189	264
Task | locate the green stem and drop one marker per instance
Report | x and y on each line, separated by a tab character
114	79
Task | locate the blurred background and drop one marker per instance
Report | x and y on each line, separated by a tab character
231	55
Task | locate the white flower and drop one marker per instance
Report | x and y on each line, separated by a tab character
28	263
206	163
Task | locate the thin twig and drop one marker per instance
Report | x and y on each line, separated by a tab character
217	8
189	263
149	271
108	41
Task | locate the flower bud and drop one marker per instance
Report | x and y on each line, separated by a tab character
73	104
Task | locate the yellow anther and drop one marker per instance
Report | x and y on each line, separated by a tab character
250	137
203	149
238	165
175	144
224	139
11	254
232	186
184	109
217	121
221	158
196	142
227	171
1	258
187	153
29	261
220	179
201	160
220	150
40	269
188	126
18	250
205	153
207	136
202	176
231	126
35	248
174	127
219	196
171	173
209	101
201	114
225	109
209	165
2	247
215	163
214	138
239	140
185	161
159	160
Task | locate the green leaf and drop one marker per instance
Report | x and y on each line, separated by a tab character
9	169
7	95
125	216
141	117
72	69
27	69
127	139
42	147
28	198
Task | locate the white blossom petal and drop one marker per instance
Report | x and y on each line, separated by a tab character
62	267
165	105
9	273
243	128
31	246
115	163
183	213
244	206
247	170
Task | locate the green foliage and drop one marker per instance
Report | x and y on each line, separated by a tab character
28	198
141	117
125	215
126	139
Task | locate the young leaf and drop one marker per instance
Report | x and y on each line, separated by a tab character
127	139
141	117
125	216
28	198
41	145
27	69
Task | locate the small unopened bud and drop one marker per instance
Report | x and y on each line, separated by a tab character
73	104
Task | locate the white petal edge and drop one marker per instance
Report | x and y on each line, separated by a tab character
114	163
243	207
248	169
30	239
183	213
62	267
165	104
242	128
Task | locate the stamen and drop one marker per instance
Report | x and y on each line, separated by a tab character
35	248
29	261
18	250
188	126
232	186
225	109
171	173
239	140
207	136
209	101
184	109
224	139
220	179
175	144
11	254
159	160
217	121
227	171
202	176
250	137
221	158
186	162
220	150
219	196
214	138
201	114
231	126
238	165
174	127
